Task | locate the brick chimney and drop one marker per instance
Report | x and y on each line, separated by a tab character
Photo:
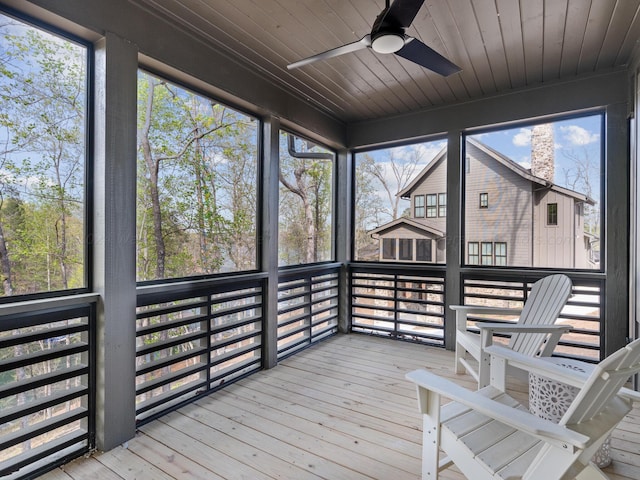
542	151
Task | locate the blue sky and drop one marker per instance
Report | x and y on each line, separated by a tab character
577	140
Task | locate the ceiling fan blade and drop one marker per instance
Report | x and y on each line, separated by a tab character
402	12
364	42
419	53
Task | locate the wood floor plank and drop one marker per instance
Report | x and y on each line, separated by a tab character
382	438
130	466
340	409
278	444
83	469
221	453
170	461
318	438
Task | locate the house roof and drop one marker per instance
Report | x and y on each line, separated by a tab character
503	160
407	222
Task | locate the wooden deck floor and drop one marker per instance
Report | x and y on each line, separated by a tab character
340	410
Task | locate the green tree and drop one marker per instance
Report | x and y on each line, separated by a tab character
43	103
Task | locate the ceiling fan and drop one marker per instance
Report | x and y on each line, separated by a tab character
387	36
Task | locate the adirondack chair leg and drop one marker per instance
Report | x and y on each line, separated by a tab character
460	355
430	407
484	362
461	352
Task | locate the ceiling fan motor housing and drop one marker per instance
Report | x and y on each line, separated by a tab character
387	41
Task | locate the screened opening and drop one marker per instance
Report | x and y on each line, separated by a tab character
400	193
539	189
197	184
43	160
306	211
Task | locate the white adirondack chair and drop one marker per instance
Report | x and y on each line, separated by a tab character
489	435
533	334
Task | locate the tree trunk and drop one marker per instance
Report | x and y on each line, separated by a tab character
153	168
7	284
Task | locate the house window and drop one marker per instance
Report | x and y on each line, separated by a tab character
500	252
552	214
418	206
432	205
484	200
473	253
487	253
423	250
389	248
44	114
406	249
442	204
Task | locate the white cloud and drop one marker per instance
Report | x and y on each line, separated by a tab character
522	138
578	136
525	164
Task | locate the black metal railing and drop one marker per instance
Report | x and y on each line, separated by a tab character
194	339
47	384
307	306
398	302
584	310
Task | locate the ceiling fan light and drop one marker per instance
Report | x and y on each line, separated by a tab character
388	43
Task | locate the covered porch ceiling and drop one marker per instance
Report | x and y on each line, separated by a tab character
501	45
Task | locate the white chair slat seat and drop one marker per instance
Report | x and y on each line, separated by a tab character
491	436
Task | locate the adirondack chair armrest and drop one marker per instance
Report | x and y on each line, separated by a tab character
537	366
488	329
520	419
462	311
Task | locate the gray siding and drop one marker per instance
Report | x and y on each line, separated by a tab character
555	245
434	183
509	215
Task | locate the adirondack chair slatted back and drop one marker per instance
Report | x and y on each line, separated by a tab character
544	303
604	382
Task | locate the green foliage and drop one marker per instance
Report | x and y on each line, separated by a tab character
197	184
42	157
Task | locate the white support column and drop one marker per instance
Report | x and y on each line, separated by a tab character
269	237
114	228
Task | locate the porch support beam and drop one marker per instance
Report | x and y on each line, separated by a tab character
113	245
268	240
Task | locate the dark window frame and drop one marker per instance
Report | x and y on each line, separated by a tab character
420	206
484	200
500	259
473	258
486	257
431	208
442	204
552	214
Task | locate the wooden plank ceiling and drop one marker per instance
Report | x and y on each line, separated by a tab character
499	44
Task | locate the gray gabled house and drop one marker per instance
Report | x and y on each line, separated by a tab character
513	216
